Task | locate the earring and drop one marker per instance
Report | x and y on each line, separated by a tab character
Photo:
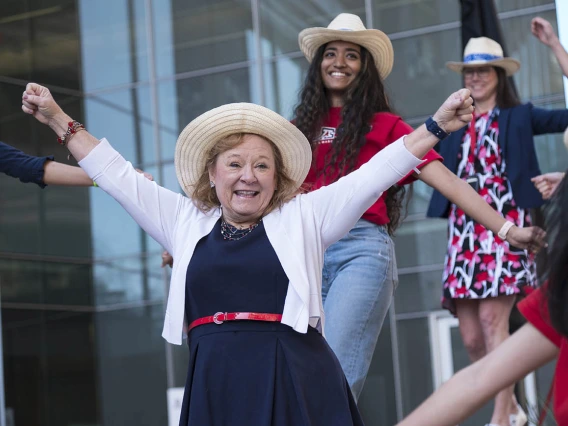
212	184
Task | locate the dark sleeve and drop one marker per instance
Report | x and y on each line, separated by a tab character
25	167
548	120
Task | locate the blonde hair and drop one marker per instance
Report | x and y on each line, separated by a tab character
206	198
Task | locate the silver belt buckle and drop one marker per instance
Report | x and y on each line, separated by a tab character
216	319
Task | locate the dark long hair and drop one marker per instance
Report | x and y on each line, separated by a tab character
557	259
364	98
506	95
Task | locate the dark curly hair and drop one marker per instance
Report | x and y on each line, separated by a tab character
365	97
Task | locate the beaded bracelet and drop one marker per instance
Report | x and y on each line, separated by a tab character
72	128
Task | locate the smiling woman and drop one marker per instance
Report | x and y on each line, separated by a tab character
249	300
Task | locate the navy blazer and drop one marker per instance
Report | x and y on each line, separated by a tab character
517	126
27	168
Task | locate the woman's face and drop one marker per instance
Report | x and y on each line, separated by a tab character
481	82
245	180
340	66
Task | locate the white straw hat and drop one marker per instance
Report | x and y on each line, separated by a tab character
348	27
483	51
199	136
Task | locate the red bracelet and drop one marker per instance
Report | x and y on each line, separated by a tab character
72	128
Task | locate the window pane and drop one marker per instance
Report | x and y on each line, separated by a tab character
421	242
404	15
52	283
420	82
283	80
419	292
113	43
282	20
508	5
40	42
540	74
415	362
137	279
211	33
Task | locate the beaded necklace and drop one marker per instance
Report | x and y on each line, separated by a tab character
232	233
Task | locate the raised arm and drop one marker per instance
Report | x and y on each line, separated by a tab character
543	31
154	208
473	386
339	205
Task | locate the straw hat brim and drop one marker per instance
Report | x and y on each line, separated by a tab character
510	65
196	140
375	41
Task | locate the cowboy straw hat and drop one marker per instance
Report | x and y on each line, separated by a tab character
199	136
348	27
483	51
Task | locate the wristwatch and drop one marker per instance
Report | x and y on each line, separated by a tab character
436	130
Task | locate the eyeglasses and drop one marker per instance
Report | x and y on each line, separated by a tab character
482	73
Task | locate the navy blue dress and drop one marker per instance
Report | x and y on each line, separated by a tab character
255	373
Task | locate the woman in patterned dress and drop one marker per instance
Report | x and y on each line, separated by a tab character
483	273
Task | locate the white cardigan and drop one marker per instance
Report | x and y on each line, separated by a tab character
299	232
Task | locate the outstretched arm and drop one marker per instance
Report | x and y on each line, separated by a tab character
544	32
466	198
154	208
339	205
55	173
473	386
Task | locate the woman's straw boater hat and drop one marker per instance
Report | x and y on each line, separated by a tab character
199	136
348	27
483	51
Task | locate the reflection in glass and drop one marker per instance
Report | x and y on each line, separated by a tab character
35	46
113	43
283	80
123	280
282	20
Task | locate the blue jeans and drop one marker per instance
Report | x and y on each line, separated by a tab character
359	279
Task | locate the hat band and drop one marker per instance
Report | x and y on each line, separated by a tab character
480	57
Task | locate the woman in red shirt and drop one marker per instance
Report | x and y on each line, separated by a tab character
345	114
543	339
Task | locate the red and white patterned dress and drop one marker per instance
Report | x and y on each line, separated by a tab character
479	264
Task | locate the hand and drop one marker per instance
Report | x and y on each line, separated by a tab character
167	259
542	30
37	101
531	239
547	183
455	112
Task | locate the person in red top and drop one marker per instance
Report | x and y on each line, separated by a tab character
542	339
345	114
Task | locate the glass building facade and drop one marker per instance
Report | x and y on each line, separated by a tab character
82	291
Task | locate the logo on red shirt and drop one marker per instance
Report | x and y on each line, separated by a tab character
327	135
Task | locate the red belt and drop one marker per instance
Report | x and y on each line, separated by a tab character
221	317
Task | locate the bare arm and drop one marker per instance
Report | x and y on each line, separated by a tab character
471	387
544	32
465	197
55	173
